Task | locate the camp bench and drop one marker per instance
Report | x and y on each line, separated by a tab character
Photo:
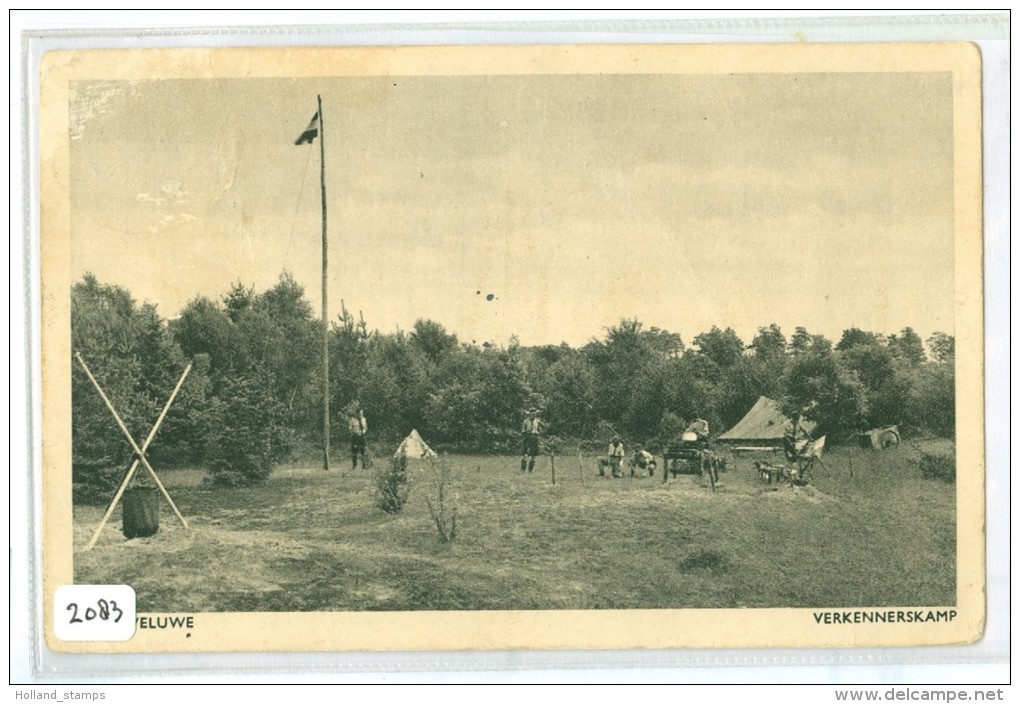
770	473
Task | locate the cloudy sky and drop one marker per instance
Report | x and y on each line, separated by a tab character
822	200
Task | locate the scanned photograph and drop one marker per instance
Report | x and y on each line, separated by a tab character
607	347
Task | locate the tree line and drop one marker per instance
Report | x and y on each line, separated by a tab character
253	398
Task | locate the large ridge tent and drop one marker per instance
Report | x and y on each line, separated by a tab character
762	425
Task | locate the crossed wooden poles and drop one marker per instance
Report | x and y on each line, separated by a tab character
139	451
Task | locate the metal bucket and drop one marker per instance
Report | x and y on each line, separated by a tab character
141	512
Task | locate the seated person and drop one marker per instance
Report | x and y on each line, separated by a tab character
700	428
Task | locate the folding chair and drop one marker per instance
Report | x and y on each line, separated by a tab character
810	454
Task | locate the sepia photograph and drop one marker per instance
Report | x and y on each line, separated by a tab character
513	347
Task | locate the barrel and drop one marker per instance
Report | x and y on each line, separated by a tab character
141	512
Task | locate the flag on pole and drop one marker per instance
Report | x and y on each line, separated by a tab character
310	133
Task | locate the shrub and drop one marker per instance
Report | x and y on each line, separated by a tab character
391	485
95	483
443	510
671	427
933	400
938	465
553	444
244	439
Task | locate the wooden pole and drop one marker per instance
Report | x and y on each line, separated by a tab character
325	292
134	465
552	463
580	467
131	440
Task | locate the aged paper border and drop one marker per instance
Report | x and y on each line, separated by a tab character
513	629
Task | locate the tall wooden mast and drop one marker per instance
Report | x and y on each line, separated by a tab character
325	293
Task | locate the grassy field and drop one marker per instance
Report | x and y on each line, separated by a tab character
311	540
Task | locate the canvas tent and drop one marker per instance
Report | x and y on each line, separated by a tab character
414	448
762	425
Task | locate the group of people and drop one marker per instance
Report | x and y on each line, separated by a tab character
531	433
642	460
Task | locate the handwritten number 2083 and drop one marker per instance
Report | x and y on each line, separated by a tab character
103	611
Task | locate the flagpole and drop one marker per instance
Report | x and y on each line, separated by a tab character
325	313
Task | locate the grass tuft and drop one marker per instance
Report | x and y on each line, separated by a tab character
705	559
938	465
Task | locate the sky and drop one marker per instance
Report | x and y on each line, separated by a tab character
543	206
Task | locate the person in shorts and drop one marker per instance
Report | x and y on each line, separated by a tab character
616	453
531	432
357	426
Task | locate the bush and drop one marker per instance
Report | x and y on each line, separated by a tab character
938	465
244	439
391	485
933	401
132	355
671	427
95	483
443	510
553	445
703	559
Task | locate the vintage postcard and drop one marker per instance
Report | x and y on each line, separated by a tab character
512	347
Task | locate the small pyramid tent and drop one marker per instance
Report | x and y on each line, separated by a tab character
763	425
414	448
